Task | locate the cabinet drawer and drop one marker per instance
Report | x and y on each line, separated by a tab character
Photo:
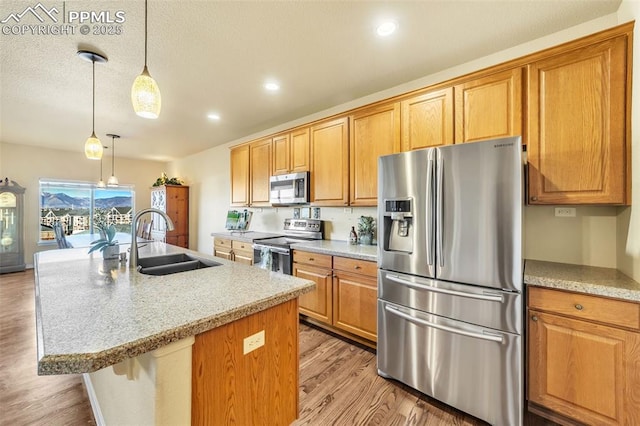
241	246
594	308
222	243
317	259
356	266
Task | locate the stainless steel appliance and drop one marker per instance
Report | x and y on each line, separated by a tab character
291	189
450	276
276	253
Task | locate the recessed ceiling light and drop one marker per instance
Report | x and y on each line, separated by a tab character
213	116
272	86
386	28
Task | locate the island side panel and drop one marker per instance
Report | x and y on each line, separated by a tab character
261	387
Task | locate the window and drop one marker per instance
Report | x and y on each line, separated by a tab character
80	206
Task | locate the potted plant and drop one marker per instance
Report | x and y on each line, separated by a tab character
107	245
366	228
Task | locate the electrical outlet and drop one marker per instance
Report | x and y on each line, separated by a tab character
565	212
253	342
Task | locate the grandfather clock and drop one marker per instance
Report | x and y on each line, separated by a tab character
11	227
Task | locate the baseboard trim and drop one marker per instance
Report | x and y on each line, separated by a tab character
93	399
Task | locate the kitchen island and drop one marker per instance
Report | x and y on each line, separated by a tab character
225	321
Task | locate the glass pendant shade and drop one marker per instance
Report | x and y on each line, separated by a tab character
93	148
101	184
113	181
145	96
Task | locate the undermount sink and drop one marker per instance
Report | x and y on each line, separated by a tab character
172	263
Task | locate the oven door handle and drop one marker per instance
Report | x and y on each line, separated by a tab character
271	248
491	297
485	335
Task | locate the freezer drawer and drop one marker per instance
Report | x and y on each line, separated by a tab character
486	307
473	369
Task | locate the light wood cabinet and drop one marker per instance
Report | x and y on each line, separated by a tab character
234	250
583	357
242	252
355	297
240	176
291	152
222	248
174	201
318	303
489	107
345	299
578	107
330	163
427	120
231	386
259	172
373	132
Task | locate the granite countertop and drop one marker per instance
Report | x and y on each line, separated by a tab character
245	237
92	313
583	279
339	248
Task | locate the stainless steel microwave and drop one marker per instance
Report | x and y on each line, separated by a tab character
286	190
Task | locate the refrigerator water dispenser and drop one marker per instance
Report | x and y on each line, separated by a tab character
398	226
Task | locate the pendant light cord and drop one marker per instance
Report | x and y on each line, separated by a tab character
145	33
93	122
113	154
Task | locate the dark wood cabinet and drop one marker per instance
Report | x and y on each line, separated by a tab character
173	200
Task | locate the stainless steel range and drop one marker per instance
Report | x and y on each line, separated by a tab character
276	253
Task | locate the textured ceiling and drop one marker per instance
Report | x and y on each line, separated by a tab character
213	56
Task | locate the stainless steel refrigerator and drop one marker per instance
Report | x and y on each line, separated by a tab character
450	278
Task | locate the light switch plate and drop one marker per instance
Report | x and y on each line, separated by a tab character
253	342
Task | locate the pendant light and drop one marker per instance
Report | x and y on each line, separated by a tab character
93	146
101	183
145	94
113	180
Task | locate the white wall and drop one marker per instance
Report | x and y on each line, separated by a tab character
27	164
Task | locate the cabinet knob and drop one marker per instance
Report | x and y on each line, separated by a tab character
579	306
534	318
534	198
311	259
357	267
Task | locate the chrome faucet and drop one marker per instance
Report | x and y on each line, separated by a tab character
133	257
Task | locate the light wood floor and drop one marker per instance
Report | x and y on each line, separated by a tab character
339	384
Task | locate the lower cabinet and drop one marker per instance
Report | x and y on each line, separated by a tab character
346	294
237	251
583	357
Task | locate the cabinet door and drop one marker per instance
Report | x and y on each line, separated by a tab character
427	120
355	304
177	209
577	149
316	304
300	150
260	172
240	176
489	107
373	132
330	163
582	370
281	157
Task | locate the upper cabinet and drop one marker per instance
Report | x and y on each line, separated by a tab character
578	109
330	163
427	120
240	176
489	107
291	152
259	172
373	132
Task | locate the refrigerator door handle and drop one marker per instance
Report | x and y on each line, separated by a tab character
430	236
491	297
439	209
494	337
